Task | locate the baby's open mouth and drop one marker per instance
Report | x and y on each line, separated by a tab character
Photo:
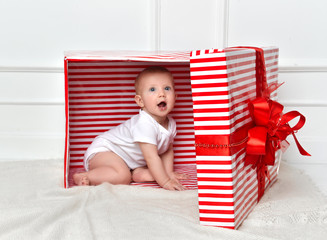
162	104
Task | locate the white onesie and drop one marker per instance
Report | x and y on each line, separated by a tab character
123	139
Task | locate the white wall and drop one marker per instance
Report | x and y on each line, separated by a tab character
34	35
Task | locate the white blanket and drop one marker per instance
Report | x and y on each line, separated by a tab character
34	205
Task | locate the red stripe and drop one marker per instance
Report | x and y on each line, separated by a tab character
185	162
222	127
223	118
210	85
77	166
105	102
240	56
205	94
219	101
93	65
215	195
214	211
218	204
212	219
106	91
215	179
204	162
107	78
211	110
208	68
217	171
66	127
213	76
205	60
211	187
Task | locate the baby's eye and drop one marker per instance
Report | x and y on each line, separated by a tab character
152	89
167	88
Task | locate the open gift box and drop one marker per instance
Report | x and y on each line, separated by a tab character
214	88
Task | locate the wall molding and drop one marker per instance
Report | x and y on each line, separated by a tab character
303	68
28	102
304	104
155	12
36	69
157	47
226	23
221	23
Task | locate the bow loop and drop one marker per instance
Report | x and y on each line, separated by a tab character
271	128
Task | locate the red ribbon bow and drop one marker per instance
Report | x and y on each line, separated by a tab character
271	125
271	128
265	138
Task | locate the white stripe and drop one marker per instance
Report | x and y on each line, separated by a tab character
215	114
214	191
217	224
210	199
215	175
214	158
208	207
222	63
212	132
212	123
211	89
209	106
236	68
218	97
218	80
214	215
176	143
209	72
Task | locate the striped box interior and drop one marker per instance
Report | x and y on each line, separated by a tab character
100	95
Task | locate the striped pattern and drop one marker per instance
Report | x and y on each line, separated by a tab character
148	56
101	96
223	82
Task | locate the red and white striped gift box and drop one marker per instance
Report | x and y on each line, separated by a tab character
223	83
213	87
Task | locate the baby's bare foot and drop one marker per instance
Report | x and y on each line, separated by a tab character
81	179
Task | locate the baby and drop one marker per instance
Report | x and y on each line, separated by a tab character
140	149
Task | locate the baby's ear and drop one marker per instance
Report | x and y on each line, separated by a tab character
139	101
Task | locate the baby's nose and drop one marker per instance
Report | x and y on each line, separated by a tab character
162	93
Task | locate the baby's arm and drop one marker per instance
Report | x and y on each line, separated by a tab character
157	168
168	161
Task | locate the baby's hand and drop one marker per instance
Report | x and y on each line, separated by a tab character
173	184
179	176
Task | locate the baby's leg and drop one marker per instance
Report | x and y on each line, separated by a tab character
142	174
107	167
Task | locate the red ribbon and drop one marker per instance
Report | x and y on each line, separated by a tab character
271	126
264	139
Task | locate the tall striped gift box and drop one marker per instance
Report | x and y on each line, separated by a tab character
223	83
214	88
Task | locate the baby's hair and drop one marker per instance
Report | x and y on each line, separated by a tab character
151	70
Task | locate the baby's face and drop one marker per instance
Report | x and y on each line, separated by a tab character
156	95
